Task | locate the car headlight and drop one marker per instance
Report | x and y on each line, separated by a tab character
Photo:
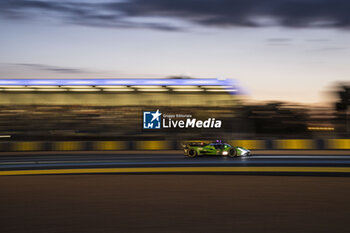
244	152
224	153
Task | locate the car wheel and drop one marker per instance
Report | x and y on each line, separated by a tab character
232	153
192	153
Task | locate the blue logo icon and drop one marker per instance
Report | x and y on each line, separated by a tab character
151	120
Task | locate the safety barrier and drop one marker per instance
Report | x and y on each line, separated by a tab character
279	144
294	144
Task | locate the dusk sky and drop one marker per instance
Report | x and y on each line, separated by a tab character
289	50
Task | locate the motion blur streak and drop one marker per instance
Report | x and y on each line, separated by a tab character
178	170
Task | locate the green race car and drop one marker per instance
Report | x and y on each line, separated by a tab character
194	149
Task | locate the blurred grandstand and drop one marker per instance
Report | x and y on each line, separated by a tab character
111	109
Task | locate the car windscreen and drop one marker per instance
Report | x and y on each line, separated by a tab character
217	145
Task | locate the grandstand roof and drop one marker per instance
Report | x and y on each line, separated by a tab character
125	85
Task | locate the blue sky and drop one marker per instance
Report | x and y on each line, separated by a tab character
276	48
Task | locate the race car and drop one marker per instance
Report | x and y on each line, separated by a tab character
218	147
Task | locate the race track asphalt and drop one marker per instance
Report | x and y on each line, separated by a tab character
174	203
161	201
330	163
